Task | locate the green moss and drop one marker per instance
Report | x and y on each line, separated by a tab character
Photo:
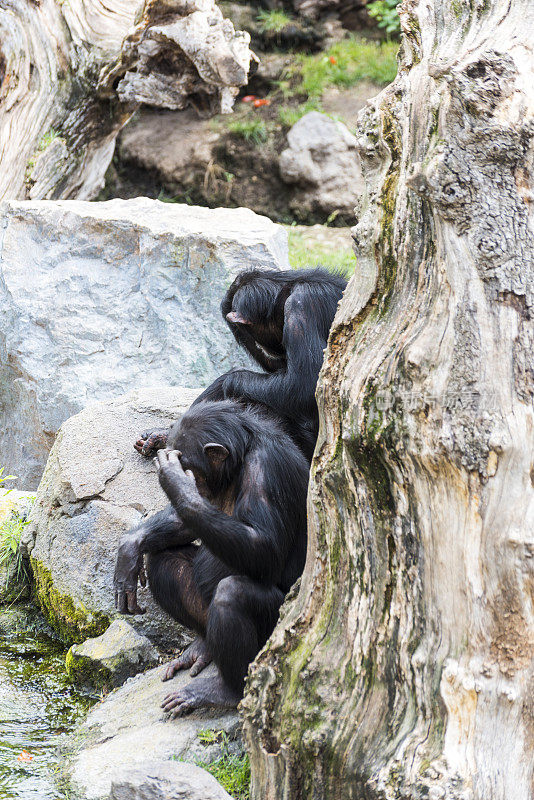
71	621
83	672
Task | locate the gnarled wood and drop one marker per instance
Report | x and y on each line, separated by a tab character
404	667
72	73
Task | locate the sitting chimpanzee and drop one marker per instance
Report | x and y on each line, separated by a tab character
237	482
283	320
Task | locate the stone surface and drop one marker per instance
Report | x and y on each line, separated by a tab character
175	147
128	728
323	165
168	780
110	659
96	487
98	298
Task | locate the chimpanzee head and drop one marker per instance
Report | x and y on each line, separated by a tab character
212	439
254	310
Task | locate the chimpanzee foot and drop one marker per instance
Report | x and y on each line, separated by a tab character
200	693
196	656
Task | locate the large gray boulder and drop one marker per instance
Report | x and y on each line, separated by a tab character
98	298
322	164
128	729
96	487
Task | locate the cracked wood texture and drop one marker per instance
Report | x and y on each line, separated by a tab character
72	73
403	666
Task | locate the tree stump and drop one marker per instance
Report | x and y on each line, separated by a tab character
404	666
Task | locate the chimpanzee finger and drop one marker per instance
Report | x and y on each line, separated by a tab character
171	701
133	607
161	458
173	456
121	603
190	474
200	664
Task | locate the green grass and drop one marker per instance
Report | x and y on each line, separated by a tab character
10	555
304	255
231	770
288	115
346	63
273	21
252	130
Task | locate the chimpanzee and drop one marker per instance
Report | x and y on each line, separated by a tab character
237	482
283	320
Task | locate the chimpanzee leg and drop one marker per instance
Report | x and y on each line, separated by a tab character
173	587
241	617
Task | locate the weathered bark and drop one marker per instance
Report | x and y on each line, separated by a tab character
404	667
72	73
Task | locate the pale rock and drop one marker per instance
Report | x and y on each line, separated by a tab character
95	488
99	298
128	729
322	162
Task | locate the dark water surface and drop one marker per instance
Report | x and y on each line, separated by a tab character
37	705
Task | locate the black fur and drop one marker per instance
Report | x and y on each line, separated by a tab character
290	313
250	556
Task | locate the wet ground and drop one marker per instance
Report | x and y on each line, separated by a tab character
37	705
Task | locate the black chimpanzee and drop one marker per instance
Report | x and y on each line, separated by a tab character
237	482
283	320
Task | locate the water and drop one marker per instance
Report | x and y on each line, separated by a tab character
37	705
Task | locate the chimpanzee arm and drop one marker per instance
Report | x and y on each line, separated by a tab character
158	532
292	389
254	541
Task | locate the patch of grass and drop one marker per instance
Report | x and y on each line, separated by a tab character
386	14
288	115
273	21
252	130
345	64
231	770
306	255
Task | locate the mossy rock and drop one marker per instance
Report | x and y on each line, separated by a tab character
108	660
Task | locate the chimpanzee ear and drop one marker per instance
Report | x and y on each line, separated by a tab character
216	453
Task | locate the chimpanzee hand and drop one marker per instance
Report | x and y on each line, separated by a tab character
179	486
128	570
151	441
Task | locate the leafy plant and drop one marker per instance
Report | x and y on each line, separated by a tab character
252	130
4	478
273	21
11	559
386	14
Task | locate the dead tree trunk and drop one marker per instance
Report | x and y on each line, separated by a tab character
72	73
404	666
